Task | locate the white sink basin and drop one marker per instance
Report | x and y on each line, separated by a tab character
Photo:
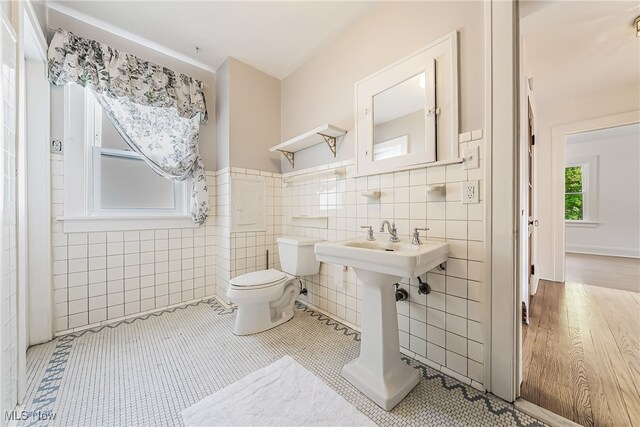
379	372
397	259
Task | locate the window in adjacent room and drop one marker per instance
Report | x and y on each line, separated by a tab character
574	193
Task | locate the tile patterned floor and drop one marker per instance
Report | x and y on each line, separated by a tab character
144	371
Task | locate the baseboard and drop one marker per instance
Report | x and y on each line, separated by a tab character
603	251
544	415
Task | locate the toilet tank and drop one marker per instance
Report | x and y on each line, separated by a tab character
297	256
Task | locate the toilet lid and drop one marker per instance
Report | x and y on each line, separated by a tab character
259	278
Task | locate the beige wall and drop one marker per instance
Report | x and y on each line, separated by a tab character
222	115
207	131
254	118
322	90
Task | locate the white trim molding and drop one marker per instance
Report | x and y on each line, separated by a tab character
581	224
501	30
89	224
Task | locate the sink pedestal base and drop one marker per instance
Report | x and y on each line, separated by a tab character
379	372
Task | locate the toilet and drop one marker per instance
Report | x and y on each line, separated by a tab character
266	298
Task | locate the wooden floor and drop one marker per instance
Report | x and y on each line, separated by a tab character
581	354
605	271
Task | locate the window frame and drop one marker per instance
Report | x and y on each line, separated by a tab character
93	124
589	166
79	186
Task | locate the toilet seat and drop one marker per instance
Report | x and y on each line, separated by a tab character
260	279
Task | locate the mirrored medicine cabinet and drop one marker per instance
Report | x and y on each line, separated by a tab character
407	113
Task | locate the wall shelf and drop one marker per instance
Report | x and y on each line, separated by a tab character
312	221
306	176
326	133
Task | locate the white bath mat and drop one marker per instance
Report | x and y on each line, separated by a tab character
282	394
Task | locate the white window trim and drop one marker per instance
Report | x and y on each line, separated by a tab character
589	166
79	215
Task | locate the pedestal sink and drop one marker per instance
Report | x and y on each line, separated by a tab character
379	372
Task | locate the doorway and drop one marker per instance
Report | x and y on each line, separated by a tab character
602	201
580	350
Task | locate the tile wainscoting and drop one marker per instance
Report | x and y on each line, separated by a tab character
107	276
443	329
244	252
103	277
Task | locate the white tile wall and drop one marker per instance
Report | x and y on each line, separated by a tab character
102	277
444	328
240	253
8	244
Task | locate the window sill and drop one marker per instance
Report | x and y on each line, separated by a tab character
582	224
89	224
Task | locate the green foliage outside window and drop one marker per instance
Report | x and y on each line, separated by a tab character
574	196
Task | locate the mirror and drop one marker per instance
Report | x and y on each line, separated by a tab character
399	119
407	113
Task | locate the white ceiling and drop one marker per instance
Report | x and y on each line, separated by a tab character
274	36
579	48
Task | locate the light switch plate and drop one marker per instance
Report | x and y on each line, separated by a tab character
470	192
471	156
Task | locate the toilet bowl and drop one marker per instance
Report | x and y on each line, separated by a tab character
266	298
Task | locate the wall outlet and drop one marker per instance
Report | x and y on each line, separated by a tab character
471	156
470	192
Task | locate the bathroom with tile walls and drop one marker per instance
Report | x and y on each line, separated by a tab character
105	277
444	328
279	212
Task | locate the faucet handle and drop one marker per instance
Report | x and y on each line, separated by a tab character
369	232
415	240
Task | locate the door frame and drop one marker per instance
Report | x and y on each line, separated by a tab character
35	299
501	202
558	136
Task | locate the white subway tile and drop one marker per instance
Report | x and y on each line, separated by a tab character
456	344
456	305
475	331
476	351
456	362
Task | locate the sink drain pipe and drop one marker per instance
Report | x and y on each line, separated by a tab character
401	294
423	287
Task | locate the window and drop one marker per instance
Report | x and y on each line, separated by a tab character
580	191
122	181
391	148
574	195
107	186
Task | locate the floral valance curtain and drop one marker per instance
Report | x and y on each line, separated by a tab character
156	110
74	59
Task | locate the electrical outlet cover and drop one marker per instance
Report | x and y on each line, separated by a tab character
470	192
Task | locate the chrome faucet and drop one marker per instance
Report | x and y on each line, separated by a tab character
415	240
392	230
369	232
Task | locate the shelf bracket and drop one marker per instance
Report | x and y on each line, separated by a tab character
289	155
331	142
